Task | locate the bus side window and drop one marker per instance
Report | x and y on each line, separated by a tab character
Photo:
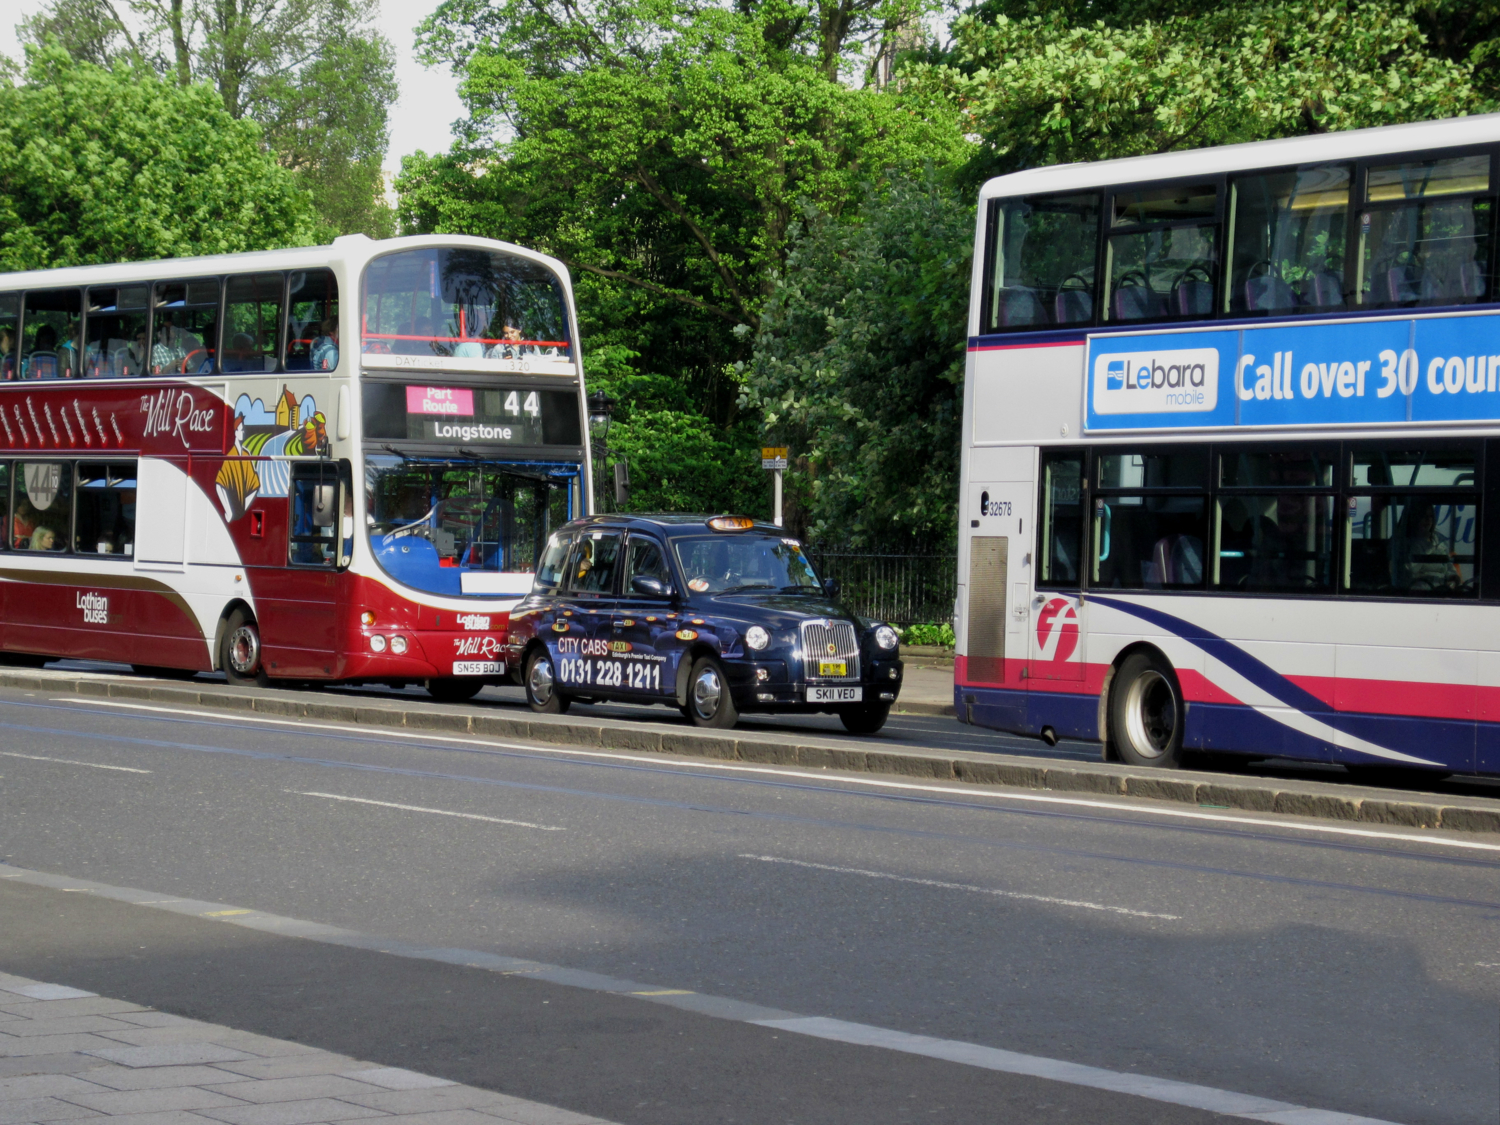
1060	549
106	509
314	534
1151	518
1161	257
1042	269
312	336
44	506
10	329
252	322
1288	252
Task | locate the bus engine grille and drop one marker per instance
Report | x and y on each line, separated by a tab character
830	640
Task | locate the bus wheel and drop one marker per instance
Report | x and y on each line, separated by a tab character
709	701
1145	712
542	695
239	652
160	673
454	690
867	718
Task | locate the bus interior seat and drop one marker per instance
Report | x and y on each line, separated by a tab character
1137	302
1193	296
1268	293
1178	560
43	365
1325	290
1073	305
1020	306
1401	284
1461	281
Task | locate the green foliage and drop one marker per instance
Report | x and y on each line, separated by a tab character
859	366
313	73
1055	87
928	634
117	165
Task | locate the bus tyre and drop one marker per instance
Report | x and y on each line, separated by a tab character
451	689
709	701
542	695
1146	712
239	652
867	718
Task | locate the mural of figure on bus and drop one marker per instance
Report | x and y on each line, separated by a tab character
296	428
238	483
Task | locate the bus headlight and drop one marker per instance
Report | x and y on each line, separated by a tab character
398	645
377	643
756	638
886	637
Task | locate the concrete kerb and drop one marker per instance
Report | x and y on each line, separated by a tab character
1267	795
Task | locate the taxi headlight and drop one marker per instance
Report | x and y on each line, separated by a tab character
377	643
756	638
398	644
886	637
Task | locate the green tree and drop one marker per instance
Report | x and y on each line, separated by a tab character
1065	85
859	367
106	165
313	73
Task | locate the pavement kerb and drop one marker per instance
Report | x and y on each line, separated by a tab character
1266	795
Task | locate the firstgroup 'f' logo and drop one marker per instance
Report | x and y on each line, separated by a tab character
1057	630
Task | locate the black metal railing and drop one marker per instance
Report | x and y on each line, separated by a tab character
903	589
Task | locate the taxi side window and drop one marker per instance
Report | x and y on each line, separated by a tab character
592	568
646	559
549	572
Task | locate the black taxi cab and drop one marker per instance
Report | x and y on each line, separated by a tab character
716	615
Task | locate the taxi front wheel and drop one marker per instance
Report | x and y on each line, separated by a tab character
709	701
542	695
867	718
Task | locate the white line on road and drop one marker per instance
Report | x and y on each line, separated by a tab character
419	808
69	762
974	792
964	887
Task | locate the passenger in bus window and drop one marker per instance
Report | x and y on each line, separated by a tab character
43	362
325	349
44	539
23	524
1429	563
7	355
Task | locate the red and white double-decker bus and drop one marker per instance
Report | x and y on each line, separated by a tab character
329	463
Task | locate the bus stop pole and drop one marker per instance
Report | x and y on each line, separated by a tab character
778	497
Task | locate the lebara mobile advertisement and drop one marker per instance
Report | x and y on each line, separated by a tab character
1387	370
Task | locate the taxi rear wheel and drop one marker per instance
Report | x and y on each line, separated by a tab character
542	695
867	718
709	702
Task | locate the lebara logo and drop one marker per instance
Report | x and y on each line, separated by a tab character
1175	381
1057	630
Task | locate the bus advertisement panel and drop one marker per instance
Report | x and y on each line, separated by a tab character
1231	453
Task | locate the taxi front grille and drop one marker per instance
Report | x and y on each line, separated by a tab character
830	641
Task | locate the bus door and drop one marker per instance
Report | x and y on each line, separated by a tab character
301	605
1054	614
998	586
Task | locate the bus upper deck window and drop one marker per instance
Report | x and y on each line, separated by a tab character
49	344
10	328
252	322
312	340
1424	232
1289	230
116	332
1043	267
184	326
1162	253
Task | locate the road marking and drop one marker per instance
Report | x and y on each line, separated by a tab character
964	887
69	762
823	777
1167	1090
224	913
419	808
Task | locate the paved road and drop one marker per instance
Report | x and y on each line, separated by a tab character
1357	973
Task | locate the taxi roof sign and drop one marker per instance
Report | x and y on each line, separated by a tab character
731	523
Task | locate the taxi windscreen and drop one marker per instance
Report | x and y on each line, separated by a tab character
722	564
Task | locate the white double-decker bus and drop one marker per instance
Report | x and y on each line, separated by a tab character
331	463
1231	452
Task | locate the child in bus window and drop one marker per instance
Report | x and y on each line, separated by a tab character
325	349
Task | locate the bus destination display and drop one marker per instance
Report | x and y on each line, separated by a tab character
470	415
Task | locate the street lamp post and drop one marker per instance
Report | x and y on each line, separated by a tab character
601	411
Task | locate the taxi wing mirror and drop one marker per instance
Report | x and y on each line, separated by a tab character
831	587
651	587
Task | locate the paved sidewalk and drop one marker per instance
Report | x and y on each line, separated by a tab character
71	1056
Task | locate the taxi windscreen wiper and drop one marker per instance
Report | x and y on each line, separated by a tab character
749	586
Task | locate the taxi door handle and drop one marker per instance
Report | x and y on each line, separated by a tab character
619	625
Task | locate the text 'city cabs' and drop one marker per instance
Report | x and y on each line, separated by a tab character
716	615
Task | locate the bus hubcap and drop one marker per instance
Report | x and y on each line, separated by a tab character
706	693
540	680
244	650
1151	714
